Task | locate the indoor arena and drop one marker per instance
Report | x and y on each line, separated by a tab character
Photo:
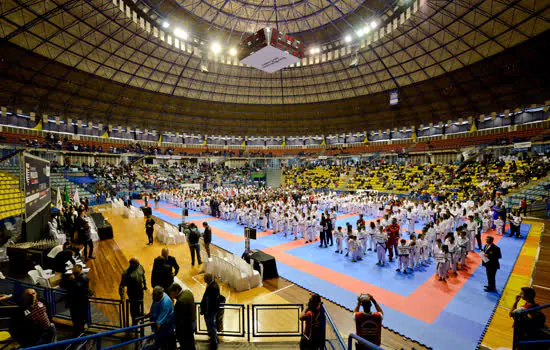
291	174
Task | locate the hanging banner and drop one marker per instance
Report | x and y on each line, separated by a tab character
394	97
522	145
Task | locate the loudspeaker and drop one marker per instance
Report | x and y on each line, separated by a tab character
250	232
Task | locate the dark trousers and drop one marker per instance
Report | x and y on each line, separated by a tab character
391	248
478	239
186	338
195	249
524	210
136	308
207	248
79	317
328	237
514	230
166	342
210	321
322	239
150	236
491	274
88	243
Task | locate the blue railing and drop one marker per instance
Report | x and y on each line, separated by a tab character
98	339
365	343
55	303
335	342
518	342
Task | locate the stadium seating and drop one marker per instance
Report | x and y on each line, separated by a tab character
11	197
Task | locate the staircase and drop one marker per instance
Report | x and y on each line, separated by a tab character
535	191
58	181
344	184
273	177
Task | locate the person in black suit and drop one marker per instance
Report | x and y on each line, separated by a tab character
165	268
490	261
210	306
207	237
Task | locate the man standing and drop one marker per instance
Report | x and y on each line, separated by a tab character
149	228
393	238
210	305
207	237
185	316
515	223
322	237
523	206
491	255
194	245
368	324
84	235
162	314
78	299
165	267
133	278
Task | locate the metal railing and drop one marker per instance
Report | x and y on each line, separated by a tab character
367	345
332	335
533	337
98	339
55	301
239	328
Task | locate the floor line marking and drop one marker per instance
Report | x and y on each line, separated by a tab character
274	292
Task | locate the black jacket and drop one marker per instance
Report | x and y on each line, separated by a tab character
207	235
162	271
210	303
492	252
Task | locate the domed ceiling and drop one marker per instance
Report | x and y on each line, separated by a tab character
125	42
117	60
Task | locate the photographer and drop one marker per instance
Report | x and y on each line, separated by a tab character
368	324
313	337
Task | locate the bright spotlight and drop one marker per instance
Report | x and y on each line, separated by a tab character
180	33
366	30
347	39
359	33
373	24
232	51
165	24
216	48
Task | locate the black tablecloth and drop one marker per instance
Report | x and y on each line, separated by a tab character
268	261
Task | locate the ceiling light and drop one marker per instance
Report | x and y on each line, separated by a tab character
165	24
180	33
347	39
373	24
366	30
216	48
359	32
232	51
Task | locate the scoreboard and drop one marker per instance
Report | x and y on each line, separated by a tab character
270	51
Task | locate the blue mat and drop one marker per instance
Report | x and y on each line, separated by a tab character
459	326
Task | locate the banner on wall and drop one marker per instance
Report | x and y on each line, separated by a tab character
522	144
394	97
37	185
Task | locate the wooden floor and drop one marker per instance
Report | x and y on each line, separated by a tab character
130	240
499	333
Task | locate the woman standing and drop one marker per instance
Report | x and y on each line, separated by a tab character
313	337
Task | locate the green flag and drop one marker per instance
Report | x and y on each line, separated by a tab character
66	194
